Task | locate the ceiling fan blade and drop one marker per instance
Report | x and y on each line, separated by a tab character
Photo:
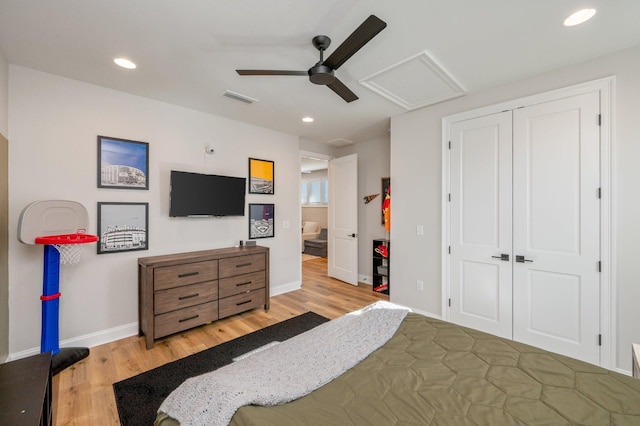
361	36
272	72
343	91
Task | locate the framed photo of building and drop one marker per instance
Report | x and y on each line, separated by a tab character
123	227
122	163
260	176
261	221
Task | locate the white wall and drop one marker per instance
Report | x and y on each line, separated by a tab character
416	173
53	129
316	214
4	96
373	164
316	147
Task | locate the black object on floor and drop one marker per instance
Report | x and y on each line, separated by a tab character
66	358
139	397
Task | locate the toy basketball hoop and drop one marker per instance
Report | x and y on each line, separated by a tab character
68	245
60	226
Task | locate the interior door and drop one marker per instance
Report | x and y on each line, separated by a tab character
343	219
481	267
556	226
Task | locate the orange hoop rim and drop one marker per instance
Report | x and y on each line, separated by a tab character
67	239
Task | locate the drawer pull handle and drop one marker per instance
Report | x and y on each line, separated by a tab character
188	319
189	296
247	283
240	265
188	274
243	303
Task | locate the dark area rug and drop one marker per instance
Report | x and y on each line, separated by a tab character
139	397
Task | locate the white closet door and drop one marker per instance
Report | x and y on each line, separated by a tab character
481	267
556	226
343	219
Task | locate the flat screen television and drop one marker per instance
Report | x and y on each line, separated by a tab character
197	194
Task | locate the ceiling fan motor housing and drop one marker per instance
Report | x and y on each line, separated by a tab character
321	74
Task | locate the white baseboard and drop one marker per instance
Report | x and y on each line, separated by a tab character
365	279
426	314
285	288
418	311
127	330
88	340
625	372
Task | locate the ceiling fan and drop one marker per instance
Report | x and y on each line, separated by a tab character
323	72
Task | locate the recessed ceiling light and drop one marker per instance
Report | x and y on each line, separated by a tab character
307	119
579	17
125	63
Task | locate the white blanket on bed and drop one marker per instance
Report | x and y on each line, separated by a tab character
286	371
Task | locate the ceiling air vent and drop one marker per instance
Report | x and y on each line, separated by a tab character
239	97
340	142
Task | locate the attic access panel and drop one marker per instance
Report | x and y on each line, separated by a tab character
414	83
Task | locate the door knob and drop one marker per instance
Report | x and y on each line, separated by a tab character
503	256
521	259
352	235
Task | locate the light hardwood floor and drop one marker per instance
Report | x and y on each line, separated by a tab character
83	393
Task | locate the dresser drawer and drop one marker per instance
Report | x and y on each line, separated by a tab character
183	319
241	265
241	302
185	274
242	283
185	296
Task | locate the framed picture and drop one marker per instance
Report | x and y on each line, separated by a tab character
260	176
123	227
122	163
261	221
386	191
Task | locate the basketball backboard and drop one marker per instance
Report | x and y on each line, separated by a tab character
51	217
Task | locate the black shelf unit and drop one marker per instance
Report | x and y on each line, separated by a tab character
26	391
381	252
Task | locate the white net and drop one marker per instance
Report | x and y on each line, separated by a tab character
69	253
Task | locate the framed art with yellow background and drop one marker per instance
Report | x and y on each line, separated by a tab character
260	176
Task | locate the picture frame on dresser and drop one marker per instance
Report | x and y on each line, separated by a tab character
261	221
122	163
123	227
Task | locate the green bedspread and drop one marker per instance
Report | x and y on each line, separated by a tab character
437	373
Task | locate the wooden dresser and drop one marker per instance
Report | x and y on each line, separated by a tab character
180	291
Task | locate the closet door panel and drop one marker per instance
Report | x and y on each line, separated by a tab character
556	226
481	223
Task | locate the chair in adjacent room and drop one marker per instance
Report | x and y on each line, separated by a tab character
317	246
310	231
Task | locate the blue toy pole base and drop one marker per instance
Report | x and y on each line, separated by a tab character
49	341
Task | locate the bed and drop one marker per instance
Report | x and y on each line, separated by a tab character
431	372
